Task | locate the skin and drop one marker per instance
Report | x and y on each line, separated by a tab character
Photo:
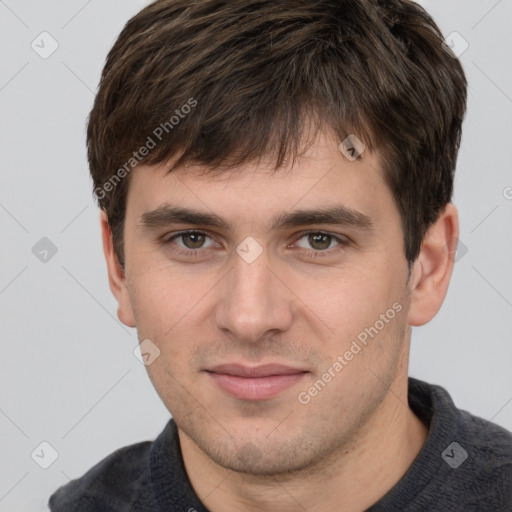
357	437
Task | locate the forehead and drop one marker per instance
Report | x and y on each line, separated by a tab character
321	177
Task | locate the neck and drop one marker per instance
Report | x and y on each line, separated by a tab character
352	478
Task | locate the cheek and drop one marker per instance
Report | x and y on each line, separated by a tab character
155	302
167	304
358	310
164	307
347	300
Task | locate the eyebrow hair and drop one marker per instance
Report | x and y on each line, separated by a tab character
166	215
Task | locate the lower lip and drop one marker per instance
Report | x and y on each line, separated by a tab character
257	388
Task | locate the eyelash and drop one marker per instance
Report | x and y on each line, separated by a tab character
311	253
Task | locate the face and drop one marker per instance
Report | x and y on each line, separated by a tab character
322	300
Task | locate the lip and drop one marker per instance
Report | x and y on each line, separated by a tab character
256	382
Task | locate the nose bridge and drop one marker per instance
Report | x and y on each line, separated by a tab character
252	278
253	302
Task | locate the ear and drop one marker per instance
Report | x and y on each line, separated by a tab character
116	276
433	268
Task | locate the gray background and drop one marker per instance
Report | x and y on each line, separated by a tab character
68	373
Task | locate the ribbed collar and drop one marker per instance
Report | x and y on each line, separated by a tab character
434	406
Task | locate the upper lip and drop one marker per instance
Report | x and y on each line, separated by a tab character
264	370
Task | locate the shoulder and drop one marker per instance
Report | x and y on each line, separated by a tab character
112	484
470	458
490	445
483	471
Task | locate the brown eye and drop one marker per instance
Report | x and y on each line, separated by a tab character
190	241
318	241
193	240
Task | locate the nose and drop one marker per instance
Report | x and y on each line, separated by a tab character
254	300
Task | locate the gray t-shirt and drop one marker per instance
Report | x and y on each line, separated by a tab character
465	465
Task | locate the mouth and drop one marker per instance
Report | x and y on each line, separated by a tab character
256	382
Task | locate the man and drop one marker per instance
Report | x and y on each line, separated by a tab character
275	182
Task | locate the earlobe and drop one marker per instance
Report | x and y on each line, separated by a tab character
433	268
116	274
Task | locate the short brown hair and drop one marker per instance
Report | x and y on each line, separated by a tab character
257	72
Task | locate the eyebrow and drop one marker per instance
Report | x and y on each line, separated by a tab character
166	215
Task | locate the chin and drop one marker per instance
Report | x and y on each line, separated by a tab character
260	458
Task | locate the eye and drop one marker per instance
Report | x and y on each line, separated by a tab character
314	243
320	241
190	240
